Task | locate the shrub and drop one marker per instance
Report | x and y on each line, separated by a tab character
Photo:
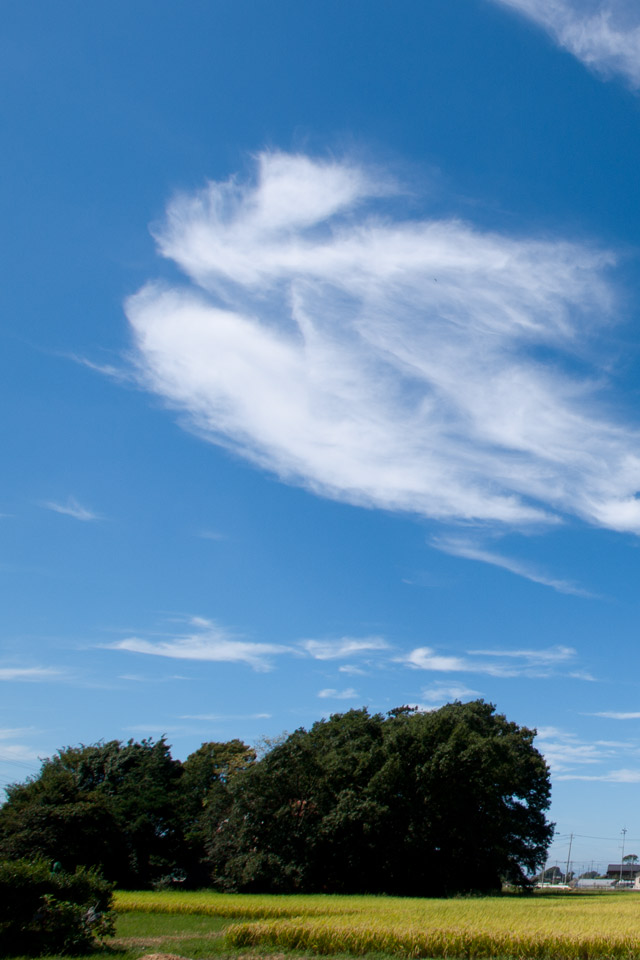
45	912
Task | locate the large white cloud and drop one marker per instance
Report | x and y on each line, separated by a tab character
415	365
604	34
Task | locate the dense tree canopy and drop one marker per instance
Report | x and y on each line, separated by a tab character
414	803
110	804
411	803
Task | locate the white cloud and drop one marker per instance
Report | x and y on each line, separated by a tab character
503	663
228	716
351	669
344	647
604	34
546	656
414	365
614	715
613	776
71	509
6	733
460	547
31	674
330	694
565	751
137	678
206	642
119	374
440	693
427	659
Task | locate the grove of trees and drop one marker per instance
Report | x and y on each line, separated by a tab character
425	804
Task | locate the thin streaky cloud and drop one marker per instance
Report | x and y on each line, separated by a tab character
389	362
138	678
343	647
603	34
8	732
564	750
583	675
468	550
613	776
441	693
507	663
226	716
206	642
546	655
119	374
330	694
616	715
19	755
30	674
71	509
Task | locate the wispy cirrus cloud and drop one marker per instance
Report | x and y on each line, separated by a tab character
603	34
546	656
206	642
625	775
120	373
494	663
617	715
330	694
469	550
30	674
352	669
419	365
564	750
343	647
211	535
439	693
71	509
226	716
567	754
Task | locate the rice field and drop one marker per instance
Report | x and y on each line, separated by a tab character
545	927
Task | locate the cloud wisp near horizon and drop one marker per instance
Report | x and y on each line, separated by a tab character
603	34
421	366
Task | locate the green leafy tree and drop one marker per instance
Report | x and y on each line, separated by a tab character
414	803
205	800
111	805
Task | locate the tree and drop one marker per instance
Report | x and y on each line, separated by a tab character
630	858
414	803
204	798
111	805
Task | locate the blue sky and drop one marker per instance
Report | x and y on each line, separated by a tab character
321	375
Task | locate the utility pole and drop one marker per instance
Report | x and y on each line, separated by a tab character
624	831
566	873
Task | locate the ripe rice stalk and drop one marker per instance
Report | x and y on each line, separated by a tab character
571	927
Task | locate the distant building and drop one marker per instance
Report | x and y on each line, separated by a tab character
597	883
623	871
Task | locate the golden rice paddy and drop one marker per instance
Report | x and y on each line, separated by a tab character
546	927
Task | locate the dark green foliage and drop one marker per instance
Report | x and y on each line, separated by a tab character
437	803
416	803
111	805
205	799
45	912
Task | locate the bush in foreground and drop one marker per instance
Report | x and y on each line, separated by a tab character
45	912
